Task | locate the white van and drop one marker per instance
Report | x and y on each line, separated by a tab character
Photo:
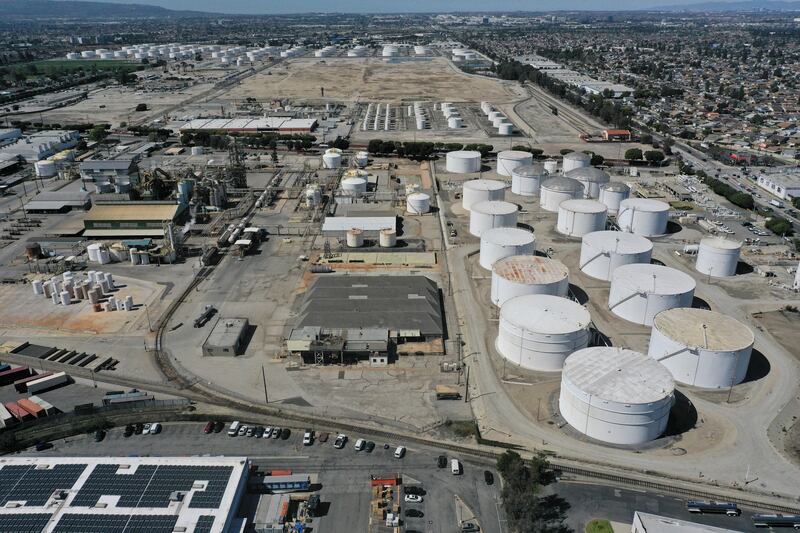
400	452
455	467
234	429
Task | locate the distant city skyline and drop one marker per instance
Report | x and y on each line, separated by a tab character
265	7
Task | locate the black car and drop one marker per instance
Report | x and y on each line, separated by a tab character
416	490
128	431
218	426
488	477
369	446
42	446
441	461
259	432
414	513
99	435
138	428
285	433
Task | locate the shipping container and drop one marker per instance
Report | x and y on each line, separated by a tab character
33	408
47	406
6	418
22	384
18	412
47	383
13	374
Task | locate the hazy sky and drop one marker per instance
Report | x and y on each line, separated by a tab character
373	6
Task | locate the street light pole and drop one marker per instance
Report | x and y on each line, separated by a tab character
147	312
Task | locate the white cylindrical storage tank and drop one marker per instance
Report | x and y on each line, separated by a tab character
492	214
454	123
718	257
643	216
640	291
55	297
134	256
93	250
38	286
508	160
539	331
354	185
463	161
525	180
362	158
109	279
702	348
553	191
603	251
519	275
505	128
575	160
418	203
591	178
355	238
551	166
493	115
104	257
502	119
128	303
497	243
612	194
387	238
616	395
45	168
481	190
197	150
331	160
576	218
65	297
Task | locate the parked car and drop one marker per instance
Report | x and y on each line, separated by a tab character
99	435
251	431
276	433
414	513
399	452
323	437
260	432
42	446
469	527
285	433
441	461
268	432
128	431
340	441
155	428
308	438
218	426
146	429
413	498
369	446
488	477
417	490
208	428
242	431
138	428
360	444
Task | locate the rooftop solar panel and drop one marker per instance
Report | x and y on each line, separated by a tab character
24	522
35	485
93	523
204	524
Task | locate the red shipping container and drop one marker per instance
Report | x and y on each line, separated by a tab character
14	374
22	384
280	472
18	412
33	408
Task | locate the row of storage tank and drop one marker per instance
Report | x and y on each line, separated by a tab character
499	120
116	253
70	287
451	115
610	394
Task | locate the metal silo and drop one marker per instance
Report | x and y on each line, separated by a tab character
576	218
480	190
591	178
508	160
575	160
643	216
612	194
553	191
525	180
463	161
718	257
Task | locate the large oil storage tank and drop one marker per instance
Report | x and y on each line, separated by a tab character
387	238
519	275
604	251
418	203
492	214
525	179
616	395
45	169
508	160
556	190
497	243
718	256
463	161
480	190
643	216
361	159
592	179
701	348
576	218
332	159
640	291
539	331
575	160
612	194
355	238
354	185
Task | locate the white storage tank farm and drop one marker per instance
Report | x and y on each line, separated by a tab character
497	243
576	218
519	275
701	348
718	257
643	216
612	194
418	203
492	214
616	395
463	161
508	160
481	190
553	191
591	178
604	251
640	291
526	179
575	160
539	331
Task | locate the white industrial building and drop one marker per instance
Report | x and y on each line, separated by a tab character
539	331
701	348
520	275
576	218
616	395
497	243
643	216
783	185
41	145
640	291
650	523
481	190
492	214
718	257
604	251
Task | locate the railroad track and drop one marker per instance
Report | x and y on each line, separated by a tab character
564	112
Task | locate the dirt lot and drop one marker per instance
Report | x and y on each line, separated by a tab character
782	325
371	79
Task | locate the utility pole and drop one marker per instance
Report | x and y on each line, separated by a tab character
466	392
264	378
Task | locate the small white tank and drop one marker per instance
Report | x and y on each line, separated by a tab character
355	238
497	243
481	190
508	160
643	216
93	250
331	160
454	123
128	303
551	166
492	214
144	258
362	159
640	291
604	251
354	185
45	169
505	129
38	287
65	298
718	257
55	298
387	238
519	275
418	203
553	191
612	194
134	256
525	180
576	218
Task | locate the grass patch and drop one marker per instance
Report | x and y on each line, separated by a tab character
599	525
682	206
462	428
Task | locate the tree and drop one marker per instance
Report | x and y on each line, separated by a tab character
646	138
779	226
565	151
653	156
597	160
374	146
98	133
633	154
743	200
141	107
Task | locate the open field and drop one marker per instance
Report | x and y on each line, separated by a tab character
371	79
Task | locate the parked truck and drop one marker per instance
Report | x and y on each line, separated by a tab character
49	382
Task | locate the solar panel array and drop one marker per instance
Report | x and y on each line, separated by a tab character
34	485
23	522
152	485
204	524
92	523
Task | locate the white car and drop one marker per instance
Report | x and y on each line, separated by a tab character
413	498
155	428
146	429
308	438
360	444
267	432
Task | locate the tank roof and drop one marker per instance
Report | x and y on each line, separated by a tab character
583	206
721	243
530	171
418	196
514	154
544	313
530	269
484	185
560	183
644	204
704	328
618	241
615	186
508	236
464	154
578	156
494	207
619	375
653	279
591	174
